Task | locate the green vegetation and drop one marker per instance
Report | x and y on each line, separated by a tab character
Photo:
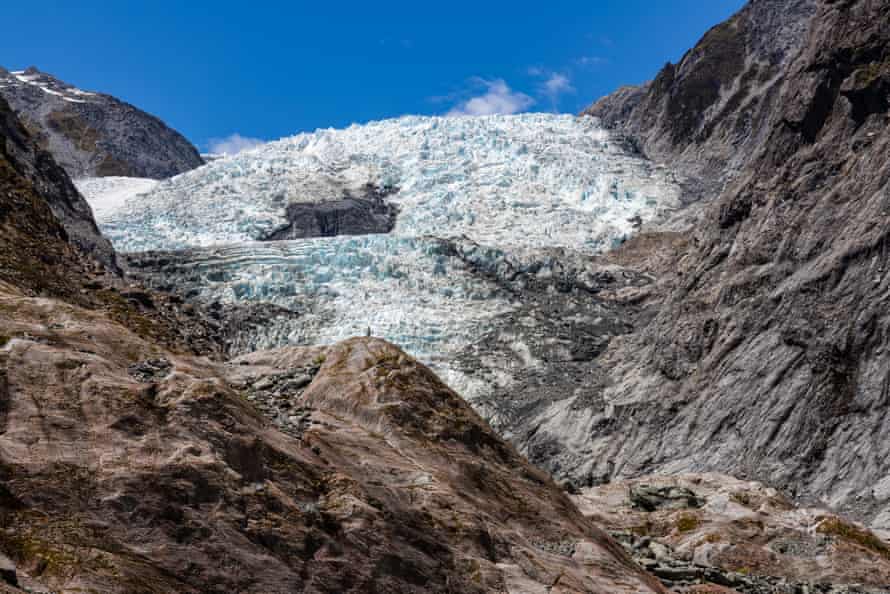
50	559
687	522
840	529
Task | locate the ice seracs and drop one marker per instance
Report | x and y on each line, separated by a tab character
528	180
479	199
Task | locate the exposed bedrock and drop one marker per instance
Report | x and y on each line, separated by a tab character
351	468
351	215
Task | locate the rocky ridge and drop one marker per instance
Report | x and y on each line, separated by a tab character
708	114
33	171
93	134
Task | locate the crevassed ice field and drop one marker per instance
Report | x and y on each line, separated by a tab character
515	185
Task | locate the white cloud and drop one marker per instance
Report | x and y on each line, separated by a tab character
233	144
591	61
498	98
557	84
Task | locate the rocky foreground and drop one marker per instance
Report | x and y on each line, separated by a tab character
698	530
128	468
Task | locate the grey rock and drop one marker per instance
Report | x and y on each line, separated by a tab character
351	215
765	349
7	571
151	370
654	498
707	114
93	134
659	551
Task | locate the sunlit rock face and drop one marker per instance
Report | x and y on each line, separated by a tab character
490	210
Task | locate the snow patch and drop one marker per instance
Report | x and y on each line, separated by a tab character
106	195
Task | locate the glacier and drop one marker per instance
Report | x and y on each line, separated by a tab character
483	203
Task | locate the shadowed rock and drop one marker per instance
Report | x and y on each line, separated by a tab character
363	215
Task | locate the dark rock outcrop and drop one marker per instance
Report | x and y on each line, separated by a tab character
351	215
30	173
93	134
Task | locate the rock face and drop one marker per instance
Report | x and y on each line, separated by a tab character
92	134
128	468
767	349
351	215
709	113
30	173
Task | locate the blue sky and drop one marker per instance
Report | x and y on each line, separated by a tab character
271	69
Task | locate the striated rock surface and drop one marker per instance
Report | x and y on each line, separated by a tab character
93	134
127	468
767	349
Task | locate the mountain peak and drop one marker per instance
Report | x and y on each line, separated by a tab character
92	134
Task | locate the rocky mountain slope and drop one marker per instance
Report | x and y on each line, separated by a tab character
31	173
765	350
93	134
708	114
128	463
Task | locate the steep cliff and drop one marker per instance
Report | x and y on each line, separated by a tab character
709	112
767	348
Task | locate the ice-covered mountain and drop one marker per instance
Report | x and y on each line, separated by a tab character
487	209
94	134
